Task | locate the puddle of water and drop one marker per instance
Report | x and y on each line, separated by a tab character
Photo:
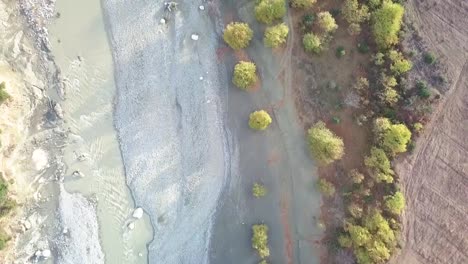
80	47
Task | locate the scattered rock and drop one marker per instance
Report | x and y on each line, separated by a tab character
65	230
201	7
194	37
140	254
58	110
131	226
162	21
27	225
201	78
38	253
77	174
138	213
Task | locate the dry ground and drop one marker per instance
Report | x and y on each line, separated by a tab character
435	177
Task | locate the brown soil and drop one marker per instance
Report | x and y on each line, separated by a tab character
435	176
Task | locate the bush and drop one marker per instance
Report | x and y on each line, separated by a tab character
355	210
324	146
259	190
237	35
340	52
390	96
395	203
3	94
4	238
276	36
312	43
423	91
260	240
326	22
266	11
363	47
362	84
259	120
379	59
386	23
374	4
326	187
379	165
359	235
345	241
356	176
429	58
308	20
244	74
303	3
392	137
354	29
417	127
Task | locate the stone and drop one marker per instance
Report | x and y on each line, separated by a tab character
201	78
201	7
162	21
77	174
27	225
46	253
138	213
194	37
131	226
38	253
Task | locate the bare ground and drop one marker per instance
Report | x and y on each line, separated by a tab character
435	177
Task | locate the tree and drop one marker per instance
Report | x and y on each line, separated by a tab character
324	146
237	35
244	74
379	165
259	190
326	22
356	176
399	64
345	241
259	120
260	240
355	210
326	187
303	3
386	23
390	96
362	84
355	15
392	137
395	203
266	11
312	43
276	36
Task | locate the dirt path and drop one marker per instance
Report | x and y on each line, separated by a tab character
435	178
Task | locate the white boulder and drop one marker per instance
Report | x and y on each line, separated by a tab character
138	213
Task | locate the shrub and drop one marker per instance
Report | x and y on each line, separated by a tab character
354	29
312	43
259	120
362	84
237	35
259	190
276	35
340	51
326	187
303	3
386	23
266	11
3	94
260	240
326	22
379	58
345	241
429	58
355	210
244	74
392	137
379	165
390	96
359	235
395	203
324	146
373	4
399	64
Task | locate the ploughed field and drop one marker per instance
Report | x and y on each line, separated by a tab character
435	177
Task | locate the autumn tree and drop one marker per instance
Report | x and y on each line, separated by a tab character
386	23
395	203
237	35
379	165
399	64
355	14
393	138
267	11
324	146
244	74
326	188
259	120
275	36
326	22
312	43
